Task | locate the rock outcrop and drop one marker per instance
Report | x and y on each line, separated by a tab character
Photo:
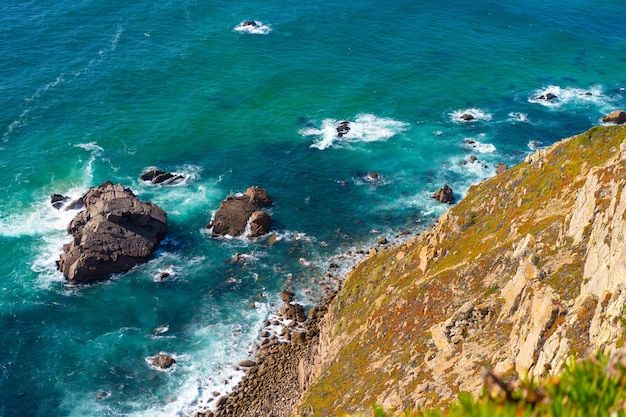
156	176
162	361
523	273
444	195
617	117
239	211
113	233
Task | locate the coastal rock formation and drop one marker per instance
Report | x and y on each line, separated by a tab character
444	195
466	117
57	200
236	212
162	361
547	97
156	176
617	117
526	271
113	233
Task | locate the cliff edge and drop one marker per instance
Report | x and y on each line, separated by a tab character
526	271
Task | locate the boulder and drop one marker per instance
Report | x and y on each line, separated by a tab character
234	212
466	117
57	200
260	223
156	176
617	117
251	23
162	360
113	233
444	195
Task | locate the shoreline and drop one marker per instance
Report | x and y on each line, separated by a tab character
288	349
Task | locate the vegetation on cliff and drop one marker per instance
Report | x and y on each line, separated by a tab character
593	387
523	273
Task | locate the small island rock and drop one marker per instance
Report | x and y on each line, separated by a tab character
617	117
113	233
234	213
444	195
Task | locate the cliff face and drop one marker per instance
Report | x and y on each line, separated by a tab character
527	270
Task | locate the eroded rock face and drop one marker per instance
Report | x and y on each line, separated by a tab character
234	213
113	233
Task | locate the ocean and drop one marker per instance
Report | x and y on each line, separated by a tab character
94	91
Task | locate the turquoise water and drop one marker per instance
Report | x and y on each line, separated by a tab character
91	91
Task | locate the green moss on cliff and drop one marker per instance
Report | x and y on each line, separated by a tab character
383	317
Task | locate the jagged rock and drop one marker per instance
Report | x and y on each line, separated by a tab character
500	168
234	212
251	23
617	117
57	200
287	296
260	223
163	361
444	195
547	97
113	233
156	176
466	117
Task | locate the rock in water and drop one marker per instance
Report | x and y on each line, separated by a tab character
444	195
162	361
234	212
113	233
617	117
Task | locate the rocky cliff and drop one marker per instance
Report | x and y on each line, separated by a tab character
526	271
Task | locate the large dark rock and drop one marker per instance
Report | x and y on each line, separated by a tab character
444	195
234	212
113	233
156	176
617	117
58	200
343	128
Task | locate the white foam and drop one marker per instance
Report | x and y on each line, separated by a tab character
364	128
258	28
478	146
519	117
476	113
188	174
573	96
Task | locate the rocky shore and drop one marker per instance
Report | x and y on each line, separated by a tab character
289	347
273	383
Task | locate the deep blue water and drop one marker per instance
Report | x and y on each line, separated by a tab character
91	91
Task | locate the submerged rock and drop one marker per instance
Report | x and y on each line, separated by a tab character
113	233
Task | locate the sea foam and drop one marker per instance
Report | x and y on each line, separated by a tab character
364	128
257	28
